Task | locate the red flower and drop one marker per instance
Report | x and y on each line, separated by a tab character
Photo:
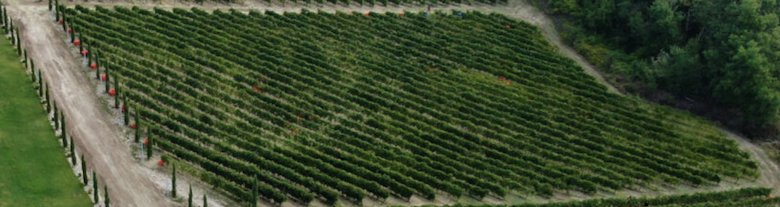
76	42
502	77
146	141
112	92
103	77
94	66
70	30
160	163
84	52
132	125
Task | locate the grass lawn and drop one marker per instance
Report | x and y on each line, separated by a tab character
33	168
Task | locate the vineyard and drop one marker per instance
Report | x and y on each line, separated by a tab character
378	2
332	106
755	197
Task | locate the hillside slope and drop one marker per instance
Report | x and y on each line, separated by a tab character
320	105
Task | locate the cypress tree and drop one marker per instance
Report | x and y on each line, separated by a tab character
32	70
254	192
11	30
89	54
18	43
72	152
97	61
72	26
64	23
137	124
81	46
57	10
64	138
72	31
40	84
149	145
83	170
173	182
116	87
95	187
48	103
5	21
190	198
56	116
32	73
105	195
108	65
49	5
205	202
25	59
62	122
64	141
126	112
108	80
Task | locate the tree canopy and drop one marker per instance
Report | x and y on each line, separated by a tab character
724	51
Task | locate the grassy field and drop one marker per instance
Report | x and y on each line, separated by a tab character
33	169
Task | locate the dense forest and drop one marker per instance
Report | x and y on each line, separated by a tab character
725	53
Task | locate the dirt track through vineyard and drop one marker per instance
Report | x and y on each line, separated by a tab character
770	171
87	121
100	138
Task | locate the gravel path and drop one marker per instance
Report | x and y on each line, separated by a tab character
87	120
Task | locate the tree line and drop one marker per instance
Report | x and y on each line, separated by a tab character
719	52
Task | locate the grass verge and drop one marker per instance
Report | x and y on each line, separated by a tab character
33	168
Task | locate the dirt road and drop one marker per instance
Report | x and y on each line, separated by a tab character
87	121
770	171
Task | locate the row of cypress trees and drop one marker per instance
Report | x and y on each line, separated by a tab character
126	113
61	15
190	197
108	77
50	105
